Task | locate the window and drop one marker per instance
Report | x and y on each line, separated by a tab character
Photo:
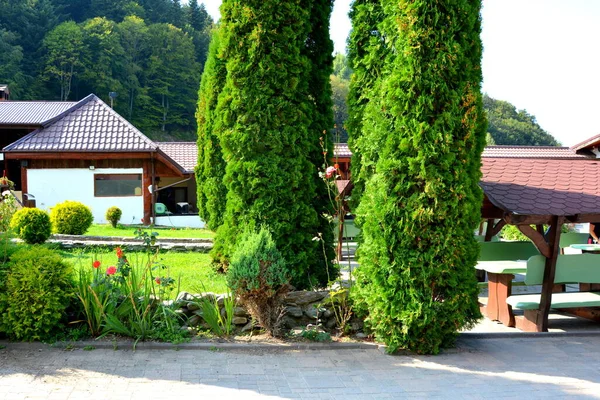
117	185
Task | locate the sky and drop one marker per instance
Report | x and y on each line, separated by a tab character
540	55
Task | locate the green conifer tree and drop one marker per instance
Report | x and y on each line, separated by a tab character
211	166
264	117
422	200
367	52
319	49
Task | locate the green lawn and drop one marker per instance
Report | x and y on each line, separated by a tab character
193	269
129	230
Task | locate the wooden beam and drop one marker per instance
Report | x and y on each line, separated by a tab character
537	238
24	182
517	219
147	181
549	273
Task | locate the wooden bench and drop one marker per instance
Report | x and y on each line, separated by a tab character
577	268
500	260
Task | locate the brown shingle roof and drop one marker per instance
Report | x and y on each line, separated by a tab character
543	186
31	112
87	126
183	153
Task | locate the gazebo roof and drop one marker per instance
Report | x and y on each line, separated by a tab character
542	187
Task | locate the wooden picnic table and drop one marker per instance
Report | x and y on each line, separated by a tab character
500	276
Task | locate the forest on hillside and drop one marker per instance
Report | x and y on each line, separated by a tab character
150	52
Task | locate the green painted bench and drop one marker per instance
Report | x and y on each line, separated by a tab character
576	268
501	261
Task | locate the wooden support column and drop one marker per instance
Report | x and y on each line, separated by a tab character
146	182
549	273
24	183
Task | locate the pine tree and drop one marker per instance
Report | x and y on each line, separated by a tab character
211	166
264	116
422	200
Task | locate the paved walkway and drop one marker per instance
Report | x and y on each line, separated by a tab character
517	368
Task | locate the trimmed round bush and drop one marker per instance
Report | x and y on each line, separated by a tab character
32	225
113	215
38	290
71	218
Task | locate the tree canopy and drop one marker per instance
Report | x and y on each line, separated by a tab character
151	52
509	126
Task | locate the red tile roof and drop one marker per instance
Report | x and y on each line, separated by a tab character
542	186
594	141
183	153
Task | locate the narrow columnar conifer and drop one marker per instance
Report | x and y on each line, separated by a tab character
264	119
367	53
319	50
211	167
422	200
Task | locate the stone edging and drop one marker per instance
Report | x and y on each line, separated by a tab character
127	239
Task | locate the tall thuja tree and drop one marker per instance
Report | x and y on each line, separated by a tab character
264	117
211	166
422	201
367	51
319	48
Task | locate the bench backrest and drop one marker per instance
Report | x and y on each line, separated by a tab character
481	238
572	268
506	251
569	238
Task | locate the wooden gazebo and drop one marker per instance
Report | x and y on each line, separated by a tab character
536	186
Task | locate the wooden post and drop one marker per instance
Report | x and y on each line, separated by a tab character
146	182
549	273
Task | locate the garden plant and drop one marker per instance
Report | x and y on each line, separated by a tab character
113	215
32	225
421	198
71	218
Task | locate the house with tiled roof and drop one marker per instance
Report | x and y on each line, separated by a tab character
85	151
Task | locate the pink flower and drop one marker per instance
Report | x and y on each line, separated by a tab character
111	270
157	280
329	172
96	264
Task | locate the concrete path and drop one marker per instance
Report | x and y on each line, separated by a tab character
506	368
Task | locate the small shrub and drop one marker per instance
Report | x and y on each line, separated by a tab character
113	215
32	225
38	287
71	218
258	275
8	207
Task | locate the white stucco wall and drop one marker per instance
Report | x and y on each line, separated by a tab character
53	186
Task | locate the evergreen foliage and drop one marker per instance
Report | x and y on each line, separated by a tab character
71	218
113	215
264	116
422	200
38	289
258	275
318	49
367	53
31	225
211	166
507	126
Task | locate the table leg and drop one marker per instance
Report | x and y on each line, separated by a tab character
499	288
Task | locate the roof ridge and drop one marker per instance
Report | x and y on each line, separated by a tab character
144	138
68	111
